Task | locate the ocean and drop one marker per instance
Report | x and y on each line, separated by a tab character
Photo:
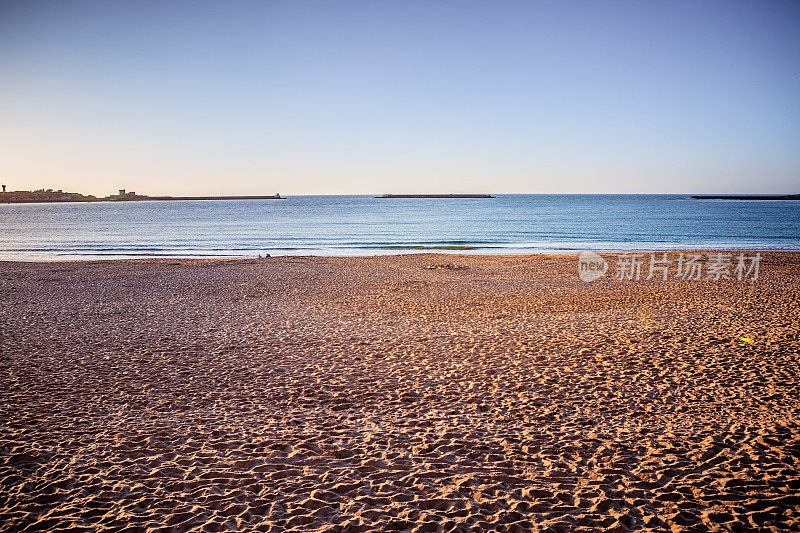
363	225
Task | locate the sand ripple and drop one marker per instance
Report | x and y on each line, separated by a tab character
414	393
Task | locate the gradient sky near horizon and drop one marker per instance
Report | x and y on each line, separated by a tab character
343	97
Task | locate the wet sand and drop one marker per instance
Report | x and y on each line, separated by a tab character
407	393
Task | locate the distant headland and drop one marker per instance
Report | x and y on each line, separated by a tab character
435	196
49	195
746	196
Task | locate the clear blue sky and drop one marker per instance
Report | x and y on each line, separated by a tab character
174	97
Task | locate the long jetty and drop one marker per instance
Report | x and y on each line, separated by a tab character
435	196
170	198
746	196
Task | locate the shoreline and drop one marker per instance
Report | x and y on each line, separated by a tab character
444	253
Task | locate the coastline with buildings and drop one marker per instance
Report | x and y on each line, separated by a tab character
50	195
44	195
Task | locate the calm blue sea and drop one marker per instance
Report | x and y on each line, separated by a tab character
363	225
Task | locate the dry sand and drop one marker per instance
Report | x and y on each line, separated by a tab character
355	394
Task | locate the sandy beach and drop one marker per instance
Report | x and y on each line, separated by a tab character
397	393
